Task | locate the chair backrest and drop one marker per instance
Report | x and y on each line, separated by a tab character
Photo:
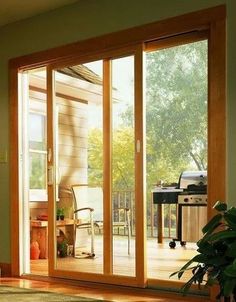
80	198
86	196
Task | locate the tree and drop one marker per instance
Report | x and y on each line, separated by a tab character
176	114
37	171
122	158
95	156
177	109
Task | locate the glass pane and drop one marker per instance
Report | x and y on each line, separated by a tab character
37	131
176	136
37	170
123	178
38	177
36	163
37	143
79	161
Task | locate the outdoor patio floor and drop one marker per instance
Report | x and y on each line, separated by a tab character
161	260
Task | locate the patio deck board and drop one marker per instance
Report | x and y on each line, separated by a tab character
161	262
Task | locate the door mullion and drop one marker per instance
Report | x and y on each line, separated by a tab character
50	163
107	185
140	213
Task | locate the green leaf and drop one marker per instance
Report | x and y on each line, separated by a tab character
230	271
222	235
212	224
220	206
206	248
196	278
232	211
211	281
229	286
231	220
201	243
200	258
203	240
213	275
183	270
231	252
216	261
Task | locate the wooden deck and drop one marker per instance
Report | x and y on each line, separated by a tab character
161	260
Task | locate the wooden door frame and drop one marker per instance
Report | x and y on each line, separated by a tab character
137	52
211	19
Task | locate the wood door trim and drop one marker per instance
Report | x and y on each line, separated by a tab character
181	39
217	114
161	29
14	178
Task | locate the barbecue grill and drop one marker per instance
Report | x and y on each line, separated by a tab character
192	206
190	183
191	196
194	185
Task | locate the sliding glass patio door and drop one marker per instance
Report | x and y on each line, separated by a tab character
94	150
94	115
177	143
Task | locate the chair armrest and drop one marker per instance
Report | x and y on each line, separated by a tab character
84	209
98	224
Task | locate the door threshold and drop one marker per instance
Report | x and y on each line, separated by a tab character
122	289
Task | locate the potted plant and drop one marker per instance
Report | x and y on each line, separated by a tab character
216	259
62	248
60	214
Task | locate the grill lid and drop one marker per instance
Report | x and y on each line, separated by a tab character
193	181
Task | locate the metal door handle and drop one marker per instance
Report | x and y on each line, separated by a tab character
49	155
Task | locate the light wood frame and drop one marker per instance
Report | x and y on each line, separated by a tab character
212	20
137	52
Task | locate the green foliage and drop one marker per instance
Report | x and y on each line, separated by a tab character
212	224
60	211
217	254
95	156
122	157
176	115
176	110
176	118
220	206
37	172
62	248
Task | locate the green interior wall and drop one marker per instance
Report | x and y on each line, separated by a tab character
91	18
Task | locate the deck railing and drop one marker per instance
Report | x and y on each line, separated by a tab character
125	198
